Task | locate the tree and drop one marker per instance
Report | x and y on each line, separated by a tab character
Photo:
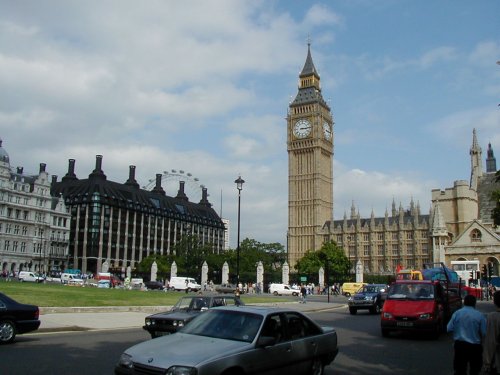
330	257
163	263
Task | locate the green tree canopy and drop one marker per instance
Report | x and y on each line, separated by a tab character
331	257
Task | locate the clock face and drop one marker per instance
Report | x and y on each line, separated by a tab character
302	128
327	131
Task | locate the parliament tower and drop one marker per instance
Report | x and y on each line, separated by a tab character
310	164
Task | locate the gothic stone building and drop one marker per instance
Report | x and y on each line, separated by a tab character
403	238
120	224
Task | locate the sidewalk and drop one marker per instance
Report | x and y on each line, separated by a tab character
83	319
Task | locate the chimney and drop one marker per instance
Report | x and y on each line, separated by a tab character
97	172
54	179
204	198
131	177
19	170
71	171
180	193
42	167
158	189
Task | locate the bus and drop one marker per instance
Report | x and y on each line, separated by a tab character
469	272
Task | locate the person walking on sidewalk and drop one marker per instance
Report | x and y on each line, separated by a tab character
303	293
469	327
491	352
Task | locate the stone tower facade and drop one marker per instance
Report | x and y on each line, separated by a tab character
310	164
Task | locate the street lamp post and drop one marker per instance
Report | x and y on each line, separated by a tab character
239	185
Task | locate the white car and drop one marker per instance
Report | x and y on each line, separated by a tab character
283	290
29	276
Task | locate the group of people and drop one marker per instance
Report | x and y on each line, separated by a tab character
476	338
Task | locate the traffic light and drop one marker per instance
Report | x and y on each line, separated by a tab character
471	275
485	271
490	269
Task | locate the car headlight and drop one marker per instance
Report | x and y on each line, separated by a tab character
181	370
180	323
149	322
387	315
425	316
125	361
349	299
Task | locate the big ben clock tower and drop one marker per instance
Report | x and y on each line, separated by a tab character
310	164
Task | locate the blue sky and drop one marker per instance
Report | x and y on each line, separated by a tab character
204	86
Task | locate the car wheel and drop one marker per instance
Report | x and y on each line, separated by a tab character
347	294
353	311
317	367
295	294
7	331
385	332
275	293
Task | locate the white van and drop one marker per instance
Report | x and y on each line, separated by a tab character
71	278
183	283
283	289
29	276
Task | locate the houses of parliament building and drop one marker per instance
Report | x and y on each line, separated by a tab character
458	226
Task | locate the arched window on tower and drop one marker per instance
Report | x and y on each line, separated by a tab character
475	235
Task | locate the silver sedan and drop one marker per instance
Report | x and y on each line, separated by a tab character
236	340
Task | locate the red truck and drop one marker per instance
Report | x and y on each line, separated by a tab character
420	305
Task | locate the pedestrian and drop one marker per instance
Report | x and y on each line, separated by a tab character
303	293
491	350
469	327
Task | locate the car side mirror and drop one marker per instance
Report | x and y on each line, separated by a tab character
264	341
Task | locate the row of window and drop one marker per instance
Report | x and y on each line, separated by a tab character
23	230
381	236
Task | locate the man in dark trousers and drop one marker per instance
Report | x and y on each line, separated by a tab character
469	327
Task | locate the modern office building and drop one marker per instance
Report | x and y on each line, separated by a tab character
34	226
120	223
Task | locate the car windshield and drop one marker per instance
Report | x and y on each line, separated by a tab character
228	325
411	291
370	289
191	303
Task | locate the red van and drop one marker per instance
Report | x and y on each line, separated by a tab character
419	306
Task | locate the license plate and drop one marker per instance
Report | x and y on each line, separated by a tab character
404	324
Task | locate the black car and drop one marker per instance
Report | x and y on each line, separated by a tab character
154	285
185	310
370	297
16	318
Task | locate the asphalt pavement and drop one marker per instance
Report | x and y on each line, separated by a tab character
102	318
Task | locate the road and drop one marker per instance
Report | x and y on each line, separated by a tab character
362	349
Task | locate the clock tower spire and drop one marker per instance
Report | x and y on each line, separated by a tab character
310	164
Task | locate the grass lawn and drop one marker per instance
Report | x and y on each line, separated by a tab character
56	295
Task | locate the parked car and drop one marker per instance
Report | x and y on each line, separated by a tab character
154	285
243	340
348	289
227	288
16	318
182	283
370	297
283	289
185	310
30	277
